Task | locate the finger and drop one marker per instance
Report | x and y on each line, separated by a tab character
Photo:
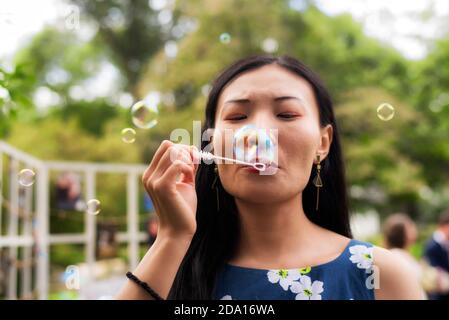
156	158
193	153
171	155
196	158
168	179
183	150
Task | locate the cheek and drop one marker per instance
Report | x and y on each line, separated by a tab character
297	152
223	146
223	142
298	145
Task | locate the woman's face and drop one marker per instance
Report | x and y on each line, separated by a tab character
276	99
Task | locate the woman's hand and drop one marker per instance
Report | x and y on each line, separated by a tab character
174	199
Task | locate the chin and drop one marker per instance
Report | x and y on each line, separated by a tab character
258	192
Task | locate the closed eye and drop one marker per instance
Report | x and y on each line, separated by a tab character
288	115
236	117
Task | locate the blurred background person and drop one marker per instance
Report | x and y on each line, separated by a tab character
107	245
152	226
152	223
437	255
400	233
68	192
148	203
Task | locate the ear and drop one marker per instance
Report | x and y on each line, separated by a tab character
325	141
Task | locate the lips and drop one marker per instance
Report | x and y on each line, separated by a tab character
250	169
267	162
270	169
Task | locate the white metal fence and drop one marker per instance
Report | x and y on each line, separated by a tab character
26	224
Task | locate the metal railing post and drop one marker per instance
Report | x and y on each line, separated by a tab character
133	219
42	231
27	254
13	224
90	224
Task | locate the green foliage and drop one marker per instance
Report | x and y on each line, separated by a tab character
66	254
52	139
91	116
399	158
431	100
372	145
14	97
129	31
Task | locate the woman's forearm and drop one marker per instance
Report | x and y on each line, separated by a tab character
158	268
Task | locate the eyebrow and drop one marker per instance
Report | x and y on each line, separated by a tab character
281	98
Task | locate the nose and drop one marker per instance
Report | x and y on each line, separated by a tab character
264	119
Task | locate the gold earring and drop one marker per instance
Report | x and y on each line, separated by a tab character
215	186
318	182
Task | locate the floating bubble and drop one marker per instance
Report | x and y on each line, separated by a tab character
225	38
144	114
128	135
385	112
26	177
72	277
252	145
93	207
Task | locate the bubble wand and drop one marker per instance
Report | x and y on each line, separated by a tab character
209	156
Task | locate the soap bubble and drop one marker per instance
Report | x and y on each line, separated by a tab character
72	277
144	114
26	177
128	135
253	145
385	112
225	38
93	207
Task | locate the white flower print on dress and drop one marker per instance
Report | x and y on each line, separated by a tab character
362	256
306	290
226	297
285	277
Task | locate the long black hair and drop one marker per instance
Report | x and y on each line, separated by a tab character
217	231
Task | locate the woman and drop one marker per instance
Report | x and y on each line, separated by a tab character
400	234
229	233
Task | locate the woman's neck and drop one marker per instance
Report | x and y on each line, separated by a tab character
272	232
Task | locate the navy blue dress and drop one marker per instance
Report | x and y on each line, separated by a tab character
350	276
